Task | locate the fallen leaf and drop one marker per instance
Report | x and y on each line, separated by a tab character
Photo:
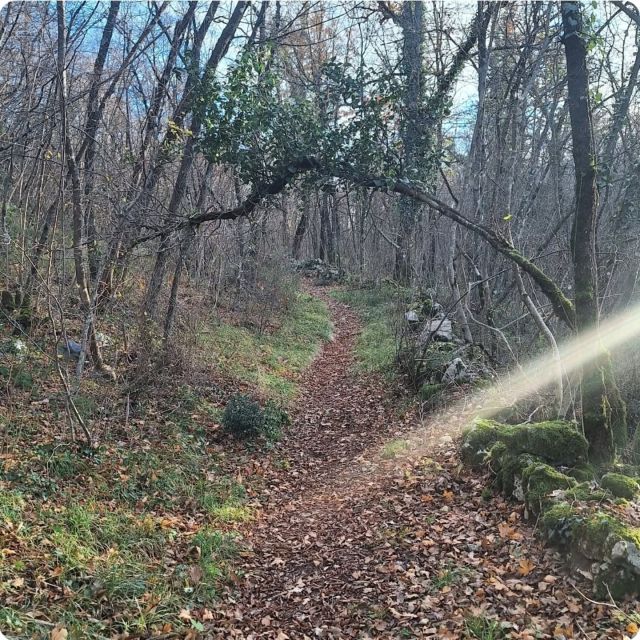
195	574
525	567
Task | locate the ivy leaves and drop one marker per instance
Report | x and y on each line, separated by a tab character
257	120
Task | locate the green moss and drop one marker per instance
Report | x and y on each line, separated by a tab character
631	470
478	440
598	534
558	514
620	485
586	492
556	442
539	481
507	467
582	472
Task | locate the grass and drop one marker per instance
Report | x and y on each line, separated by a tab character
124	541
376	346
394	448
446	578
481	628
272	362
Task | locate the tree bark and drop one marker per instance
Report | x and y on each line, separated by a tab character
79	257
603	412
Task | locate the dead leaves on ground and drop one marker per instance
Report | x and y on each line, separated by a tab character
411	552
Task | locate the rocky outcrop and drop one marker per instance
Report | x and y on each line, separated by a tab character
322	272
544	466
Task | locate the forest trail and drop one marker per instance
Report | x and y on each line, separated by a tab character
349	543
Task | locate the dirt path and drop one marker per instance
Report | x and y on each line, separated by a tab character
346	547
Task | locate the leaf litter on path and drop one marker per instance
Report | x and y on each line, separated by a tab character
352	545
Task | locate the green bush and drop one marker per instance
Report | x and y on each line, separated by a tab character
242	417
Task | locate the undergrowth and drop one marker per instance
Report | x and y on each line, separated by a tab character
272	362
376	345
126	539
138	535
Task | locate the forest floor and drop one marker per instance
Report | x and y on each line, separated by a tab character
355	537
360	522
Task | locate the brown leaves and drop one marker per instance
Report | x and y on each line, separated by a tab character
525	567
195	574
507	532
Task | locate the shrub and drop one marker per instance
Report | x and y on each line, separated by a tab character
242	417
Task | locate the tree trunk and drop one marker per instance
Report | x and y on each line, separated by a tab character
413	131
79	257
188	157
603	412
301	229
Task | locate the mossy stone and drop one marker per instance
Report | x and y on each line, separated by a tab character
587	492
631	470
478	439
556	442
559	522
539	480
620	485
597	535
509	468
617	582
582	472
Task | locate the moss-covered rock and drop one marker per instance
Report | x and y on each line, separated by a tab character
608	546
509	468
587	492
436	359
478	439
616	581
539	481
524	460
582	472
555	442
631	470
558	523
620	485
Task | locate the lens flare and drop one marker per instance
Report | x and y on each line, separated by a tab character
540	373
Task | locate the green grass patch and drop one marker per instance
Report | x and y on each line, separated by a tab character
376	345
132	536
481	628
11	505
272	362
394	448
